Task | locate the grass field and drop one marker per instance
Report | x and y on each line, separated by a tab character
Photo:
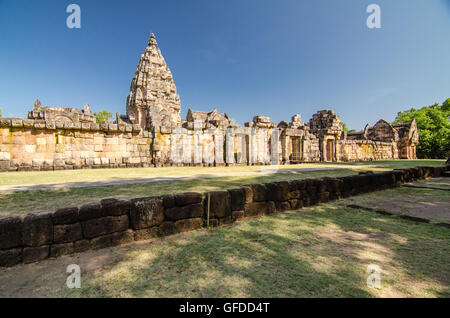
20	203
321	251
87	175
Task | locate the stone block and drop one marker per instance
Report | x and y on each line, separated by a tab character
123	237
65	216
282	206
168	200
146	234
34	254
146	212
10	232
115	207
188	224
101	241
166	228
10	257
259	192
61	249
82	246
238	199
220	205
237	215
67	233
37	229
90	211
187	198
109	224
184	212
259	208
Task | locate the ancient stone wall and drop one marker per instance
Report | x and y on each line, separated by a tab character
27	144
153	134
115	221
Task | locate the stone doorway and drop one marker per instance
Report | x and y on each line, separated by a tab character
329	153
296	155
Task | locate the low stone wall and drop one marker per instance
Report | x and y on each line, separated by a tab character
28	144
367	150
113	222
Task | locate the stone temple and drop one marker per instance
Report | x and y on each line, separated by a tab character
152	133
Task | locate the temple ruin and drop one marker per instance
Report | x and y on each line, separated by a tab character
152	133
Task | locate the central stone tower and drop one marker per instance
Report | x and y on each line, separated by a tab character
153	102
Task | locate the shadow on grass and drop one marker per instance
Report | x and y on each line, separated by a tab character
287	255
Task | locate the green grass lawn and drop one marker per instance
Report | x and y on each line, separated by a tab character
321	251
20	203
92	175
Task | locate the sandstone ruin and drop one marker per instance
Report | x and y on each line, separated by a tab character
152	133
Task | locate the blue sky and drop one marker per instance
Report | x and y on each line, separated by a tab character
245	57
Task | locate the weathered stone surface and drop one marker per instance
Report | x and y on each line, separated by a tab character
184	212
34	254
122	237
146	234
90	211
101	241
105	225
65	216
10	257
220	205
166	228
259	192
168	200
115	207
282	206
236	215
37	229
259	208
188	224
81	246
277	191
10	232
187	198
238	199
146	212
67	233
61	249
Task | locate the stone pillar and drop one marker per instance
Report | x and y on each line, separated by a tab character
229	146
218	147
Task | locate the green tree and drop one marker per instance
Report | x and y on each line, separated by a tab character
103	116
0	112
433	123
344	126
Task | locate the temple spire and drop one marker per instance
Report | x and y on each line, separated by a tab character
152	41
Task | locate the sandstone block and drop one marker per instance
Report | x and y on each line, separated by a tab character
188	224
219	204
184	212
37	229
146	234
187	198
34	254
65	216
123	237
10	232
146	212
67	233
82	246
61	249
259	208
10	257
90	211
96	227
115	207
